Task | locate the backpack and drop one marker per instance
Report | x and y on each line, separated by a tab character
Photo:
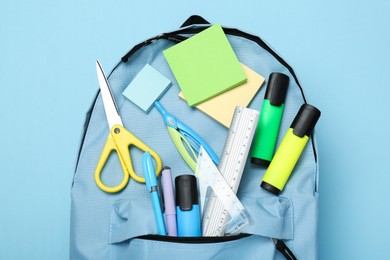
121	225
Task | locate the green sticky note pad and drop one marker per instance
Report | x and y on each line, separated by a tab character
147	86
205	65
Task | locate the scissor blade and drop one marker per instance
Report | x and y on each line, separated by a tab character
110	107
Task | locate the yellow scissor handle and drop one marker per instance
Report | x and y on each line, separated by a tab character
108	148
119	140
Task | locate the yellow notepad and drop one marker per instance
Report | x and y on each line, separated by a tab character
221	108
205	65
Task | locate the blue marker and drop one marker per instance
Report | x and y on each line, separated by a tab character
151	183
187	207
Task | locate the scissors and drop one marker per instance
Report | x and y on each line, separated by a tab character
182	134
119	140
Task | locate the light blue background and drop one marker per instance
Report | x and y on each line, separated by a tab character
340	51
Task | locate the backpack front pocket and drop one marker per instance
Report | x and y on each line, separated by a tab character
132	223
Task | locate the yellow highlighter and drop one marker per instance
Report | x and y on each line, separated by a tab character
290	149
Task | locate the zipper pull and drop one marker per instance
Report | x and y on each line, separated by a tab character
281	247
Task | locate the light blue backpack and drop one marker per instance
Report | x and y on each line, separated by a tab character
122	225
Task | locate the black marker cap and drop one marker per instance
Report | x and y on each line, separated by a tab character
186	191
277	88
260	162
270	188
305	120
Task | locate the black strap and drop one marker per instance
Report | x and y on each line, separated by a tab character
281	247
194	19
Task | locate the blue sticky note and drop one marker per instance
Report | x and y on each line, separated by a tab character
147	86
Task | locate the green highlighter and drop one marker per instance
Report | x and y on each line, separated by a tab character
270	117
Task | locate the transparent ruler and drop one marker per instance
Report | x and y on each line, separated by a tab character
231	166
209	176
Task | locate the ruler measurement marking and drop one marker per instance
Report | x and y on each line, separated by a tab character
235	149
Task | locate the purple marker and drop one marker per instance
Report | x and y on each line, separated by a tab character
169	200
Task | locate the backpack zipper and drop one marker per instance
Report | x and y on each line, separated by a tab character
193	240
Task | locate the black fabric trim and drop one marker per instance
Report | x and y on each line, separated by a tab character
193	240
168	36
194	19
